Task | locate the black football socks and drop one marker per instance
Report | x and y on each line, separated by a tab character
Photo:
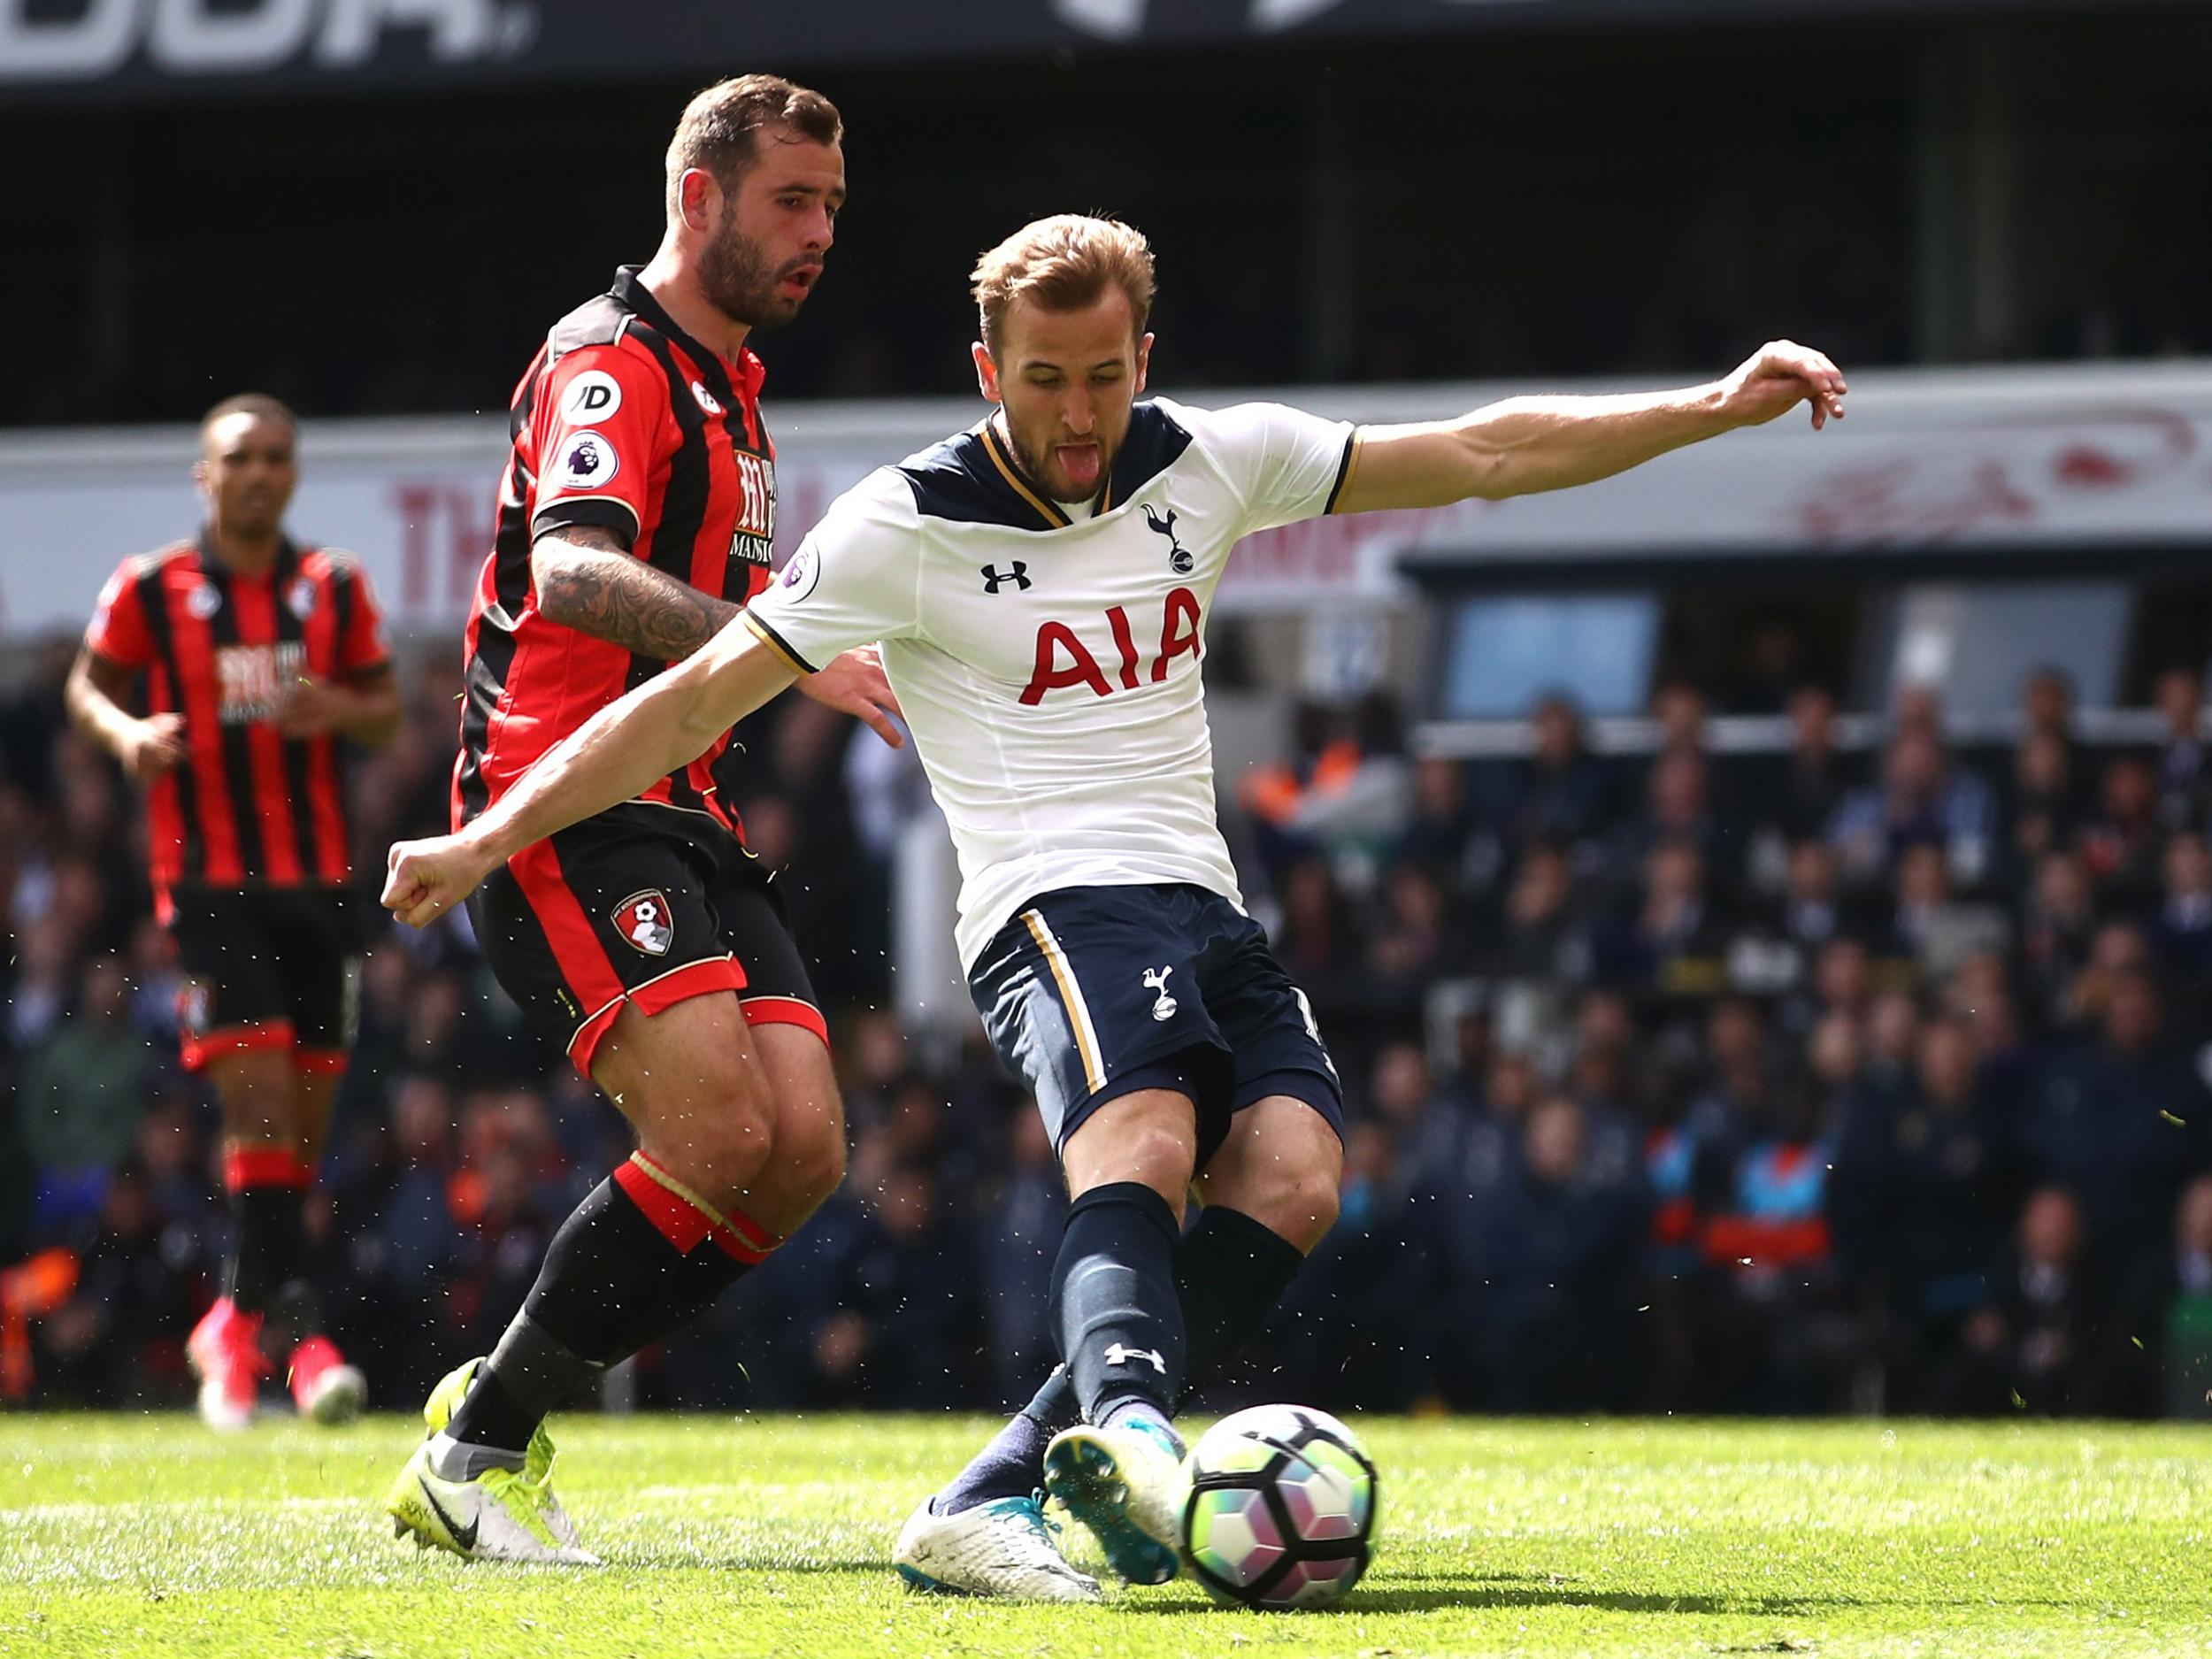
268	1202
1231	1271
640	1258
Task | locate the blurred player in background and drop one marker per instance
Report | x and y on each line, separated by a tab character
257	656
636	517
1040	586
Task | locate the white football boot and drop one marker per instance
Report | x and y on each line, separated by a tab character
1004	1550
500	1515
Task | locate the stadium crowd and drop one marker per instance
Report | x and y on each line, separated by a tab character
1795	1082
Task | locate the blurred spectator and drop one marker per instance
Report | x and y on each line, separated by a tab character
2057	925
2041	1344
1672	944
2046	706
2124	1120
2184	766
2183	930
1541	1281
1798	795
2047	804
86	1083
119	1341
2120	843
1562	794
1932	927
1922	798
1537	925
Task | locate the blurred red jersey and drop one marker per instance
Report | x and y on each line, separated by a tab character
247	805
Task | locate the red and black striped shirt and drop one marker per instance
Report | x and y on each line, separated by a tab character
248	804
625	423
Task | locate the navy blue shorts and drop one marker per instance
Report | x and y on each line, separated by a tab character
1093	993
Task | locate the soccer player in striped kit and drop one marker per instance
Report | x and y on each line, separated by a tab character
636	517
257	657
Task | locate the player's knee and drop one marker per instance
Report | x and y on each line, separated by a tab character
1298	1202
1161	1158
817	1165
718	1140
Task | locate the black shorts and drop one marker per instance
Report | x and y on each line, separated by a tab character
643	904
1093	993
268	968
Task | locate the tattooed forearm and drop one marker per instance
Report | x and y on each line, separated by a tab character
586	581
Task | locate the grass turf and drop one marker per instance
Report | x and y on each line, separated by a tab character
152	1536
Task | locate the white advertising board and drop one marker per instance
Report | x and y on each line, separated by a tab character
1993	458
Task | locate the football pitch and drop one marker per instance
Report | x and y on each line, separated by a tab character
771	1536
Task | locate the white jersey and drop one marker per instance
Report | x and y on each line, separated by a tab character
1049	667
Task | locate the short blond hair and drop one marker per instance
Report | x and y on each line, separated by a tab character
1062	264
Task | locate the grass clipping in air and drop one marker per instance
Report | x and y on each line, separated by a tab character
772	1536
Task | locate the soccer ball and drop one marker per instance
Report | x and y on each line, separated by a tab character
1281	1510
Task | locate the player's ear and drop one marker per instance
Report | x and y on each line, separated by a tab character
1144	360
986	372
696	192
199	478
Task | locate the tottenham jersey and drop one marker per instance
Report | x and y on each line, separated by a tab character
1049	666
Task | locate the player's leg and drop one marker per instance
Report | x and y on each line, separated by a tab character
1129	1168
1269	1191
1074	994
604	937
806	1161
1120	1326
321	966
237	1033
1269	1197
654	1244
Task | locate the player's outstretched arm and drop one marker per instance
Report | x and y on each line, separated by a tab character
1523	445
666	723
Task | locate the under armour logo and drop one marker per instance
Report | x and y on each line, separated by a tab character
1155	980
1019	576
1116	1355
1178	560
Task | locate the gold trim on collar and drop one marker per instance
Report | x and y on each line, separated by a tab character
1047	511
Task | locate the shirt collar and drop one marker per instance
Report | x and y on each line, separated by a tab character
747	374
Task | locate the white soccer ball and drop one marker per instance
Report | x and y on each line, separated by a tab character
1281	1510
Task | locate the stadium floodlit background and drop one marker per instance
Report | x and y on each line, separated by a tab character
1760	907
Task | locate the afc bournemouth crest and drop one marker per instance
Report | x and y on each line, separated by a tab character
643	920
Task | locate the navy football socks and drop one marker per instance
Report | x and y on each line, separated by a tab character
1230	1273
1114	1303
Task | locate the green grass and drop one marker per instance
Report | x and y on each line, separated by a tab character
151	1536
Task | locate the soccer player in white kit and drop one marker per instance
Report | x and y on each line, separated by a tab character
1040	587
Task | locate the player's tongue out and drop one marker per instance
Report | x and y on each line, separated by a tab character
1079	461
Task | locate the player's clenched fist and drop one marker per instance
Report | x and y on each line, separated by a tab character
425	878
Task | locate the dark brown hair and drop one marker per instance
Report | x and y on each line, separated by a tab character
716	132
